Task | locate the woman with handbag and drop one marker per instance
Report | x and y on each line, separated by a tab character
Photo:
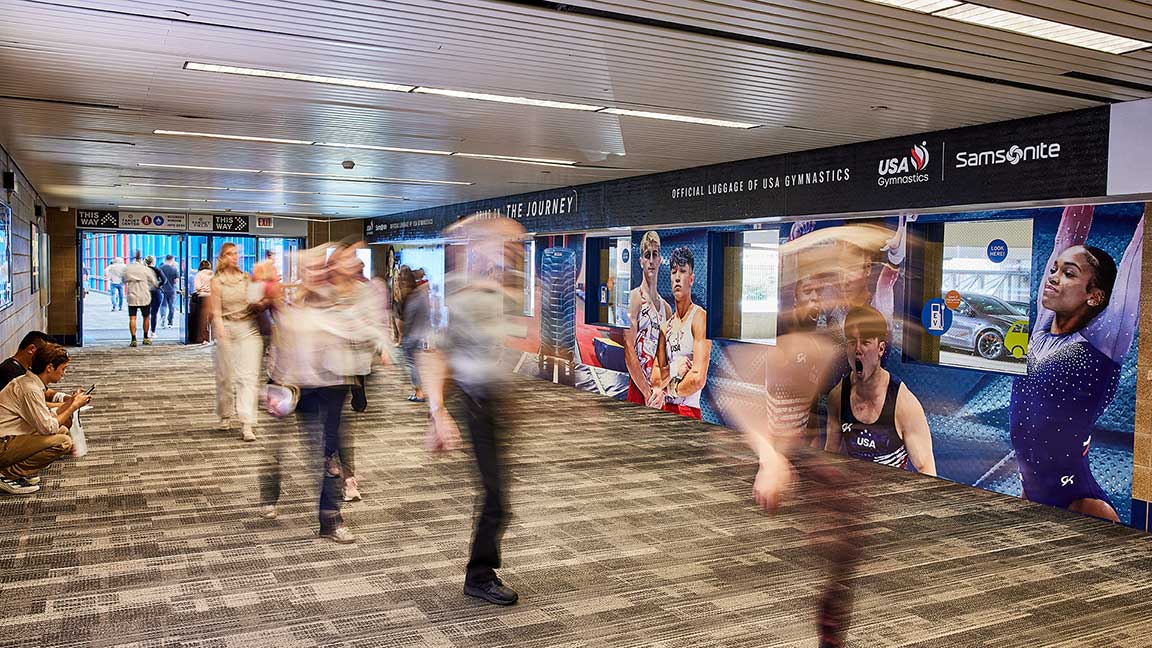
239	346
331	333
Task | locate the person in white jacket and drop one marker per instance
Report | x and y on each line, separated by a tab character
332	332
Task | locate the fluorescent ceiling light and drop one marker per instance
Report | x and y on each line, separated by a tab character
292	76
329	176
244	202
391	149
679	118
182	210
1022	24
195	168
286	191
1046	29
326	176
513	158
926	6
482	96
151	207
369	147
243	138
524	101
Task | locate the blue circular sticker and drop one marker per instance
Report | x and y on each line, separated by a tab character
624	255
997	251
158	221
936	317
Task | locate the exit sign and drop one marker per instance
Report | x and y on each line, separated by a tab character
264	221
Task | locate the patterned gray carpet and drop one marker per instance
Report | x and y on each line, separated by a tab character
632	528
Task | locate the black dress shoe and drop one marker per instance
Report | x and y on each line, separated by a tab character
492	591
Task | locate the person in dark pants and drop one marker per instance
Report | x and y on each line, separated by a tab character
469	350
171	276
154	308
320	341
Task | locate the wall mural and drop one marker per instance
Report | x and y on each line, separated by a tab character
1059	432
995	348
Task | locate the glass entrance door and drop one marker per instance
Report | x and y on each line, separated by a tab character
104	316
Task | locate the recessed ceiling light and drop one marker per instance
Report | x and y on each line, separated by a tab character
243	138
926	6
151	207
325	176
524	101
371	147
1022	24
1046	29
464	94
191	210
514	158
292	76
391	149
196	168
240	202
329	176
679	118
278	191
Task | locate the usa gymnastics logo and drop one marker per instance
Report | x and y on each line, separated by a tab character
905	170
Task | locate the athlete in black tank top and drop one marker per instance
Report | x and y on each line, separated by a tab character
878	442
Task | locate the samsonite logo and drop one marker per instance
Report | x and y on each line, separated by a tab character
1012	155
905	170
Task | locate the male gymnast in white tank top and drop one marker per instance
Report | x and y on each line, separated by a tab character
684	350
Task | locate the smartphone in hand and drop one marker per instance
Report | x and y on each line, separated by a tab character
90	389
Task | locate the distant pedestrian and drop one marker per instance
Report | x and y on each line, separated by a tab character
155	293
114	273
139	280
199	317
168	289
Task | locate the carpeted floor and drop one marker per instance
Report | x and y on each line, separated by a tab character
632	528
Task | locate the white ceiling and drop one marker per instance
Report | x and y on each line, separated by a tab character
83	83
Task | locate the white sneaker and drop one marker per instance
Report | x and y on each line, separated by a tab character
224	424
15	487
268	512
247	433
340	535
351	490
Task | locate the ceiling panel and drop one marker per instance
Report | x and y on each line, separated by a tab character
87	82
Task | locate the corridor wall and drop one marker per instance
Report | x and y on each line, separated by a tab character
25	310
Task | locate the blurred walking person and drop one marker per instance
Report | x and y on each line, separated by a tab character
332	332
783	428
239	347
469	351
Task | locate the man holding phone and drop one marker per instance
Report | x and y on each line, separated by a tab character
32	435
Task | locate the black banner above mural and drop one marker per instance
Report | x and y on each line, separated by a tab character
1040	158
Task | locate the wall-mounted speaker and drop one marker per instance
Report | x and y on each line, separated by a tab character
9	181
39	211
